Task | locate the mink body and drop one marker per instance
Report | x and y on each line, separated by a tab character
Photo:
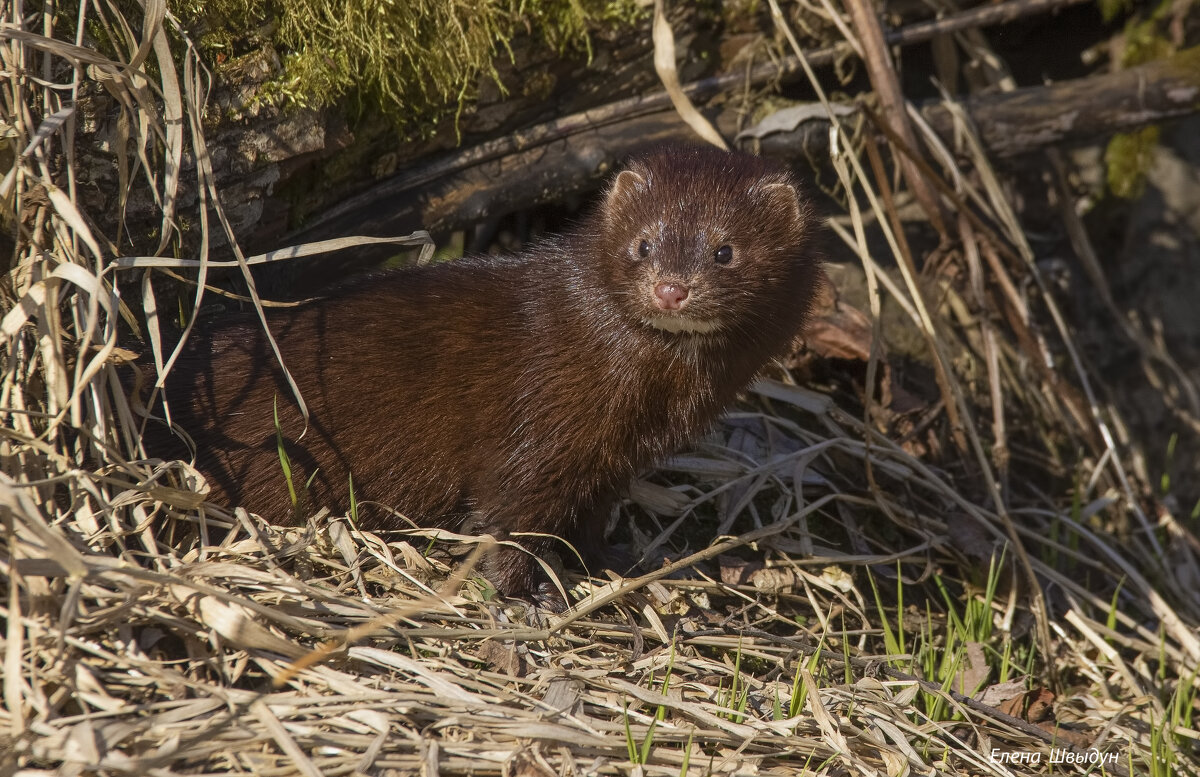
518	393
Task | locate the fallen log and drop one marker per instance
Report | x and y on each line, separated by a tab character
1029	119
547	165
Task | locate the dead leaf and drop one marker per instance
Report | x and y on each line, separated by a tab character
775	580
843	332
737	571
997	694
974	670
503	657
1037	705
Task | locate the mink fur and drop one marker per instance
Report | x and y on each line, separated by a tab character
511	394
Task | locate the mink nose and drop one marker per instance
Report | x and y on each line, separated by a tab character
670	295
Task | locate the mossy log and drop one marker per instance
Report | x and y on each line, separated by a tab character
572	155
301	175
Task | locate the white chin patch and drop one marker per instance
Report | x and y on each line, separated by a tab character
682	325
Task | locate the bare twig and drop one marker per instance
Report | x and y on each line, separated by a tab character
891	101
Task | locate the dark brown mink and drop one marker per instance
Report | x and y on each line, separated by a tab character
513	394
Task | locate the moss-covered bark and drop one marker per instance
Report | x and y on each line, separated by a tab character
410	61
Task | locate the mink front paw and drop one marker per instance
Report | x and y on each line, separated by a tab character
547	597
518	575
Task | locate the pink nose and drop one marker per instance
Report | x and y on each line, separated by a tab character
669	295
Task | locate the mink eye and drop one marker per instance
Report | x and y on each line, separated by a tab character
723	255
644	249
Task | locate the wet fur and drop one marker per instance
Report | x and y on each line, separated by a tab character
519	393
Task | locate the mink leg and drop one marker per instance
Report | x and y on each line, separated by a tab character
517	574
599	553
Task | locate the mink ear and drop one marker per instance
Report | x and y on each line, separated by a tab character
628	183
786	196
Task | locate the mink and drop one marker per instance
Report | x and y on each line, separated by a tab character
516	395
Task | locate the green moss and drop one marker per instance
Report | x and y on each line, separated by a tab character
1144	43
411	60
1130	154
1128	158
1111	9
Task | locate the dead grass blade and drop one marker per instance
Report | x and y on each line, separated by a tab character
664	65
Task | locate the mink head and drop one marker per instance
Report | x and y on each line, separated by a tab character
697	242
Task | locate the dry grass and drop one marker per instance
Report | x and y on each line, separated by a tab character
856	599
